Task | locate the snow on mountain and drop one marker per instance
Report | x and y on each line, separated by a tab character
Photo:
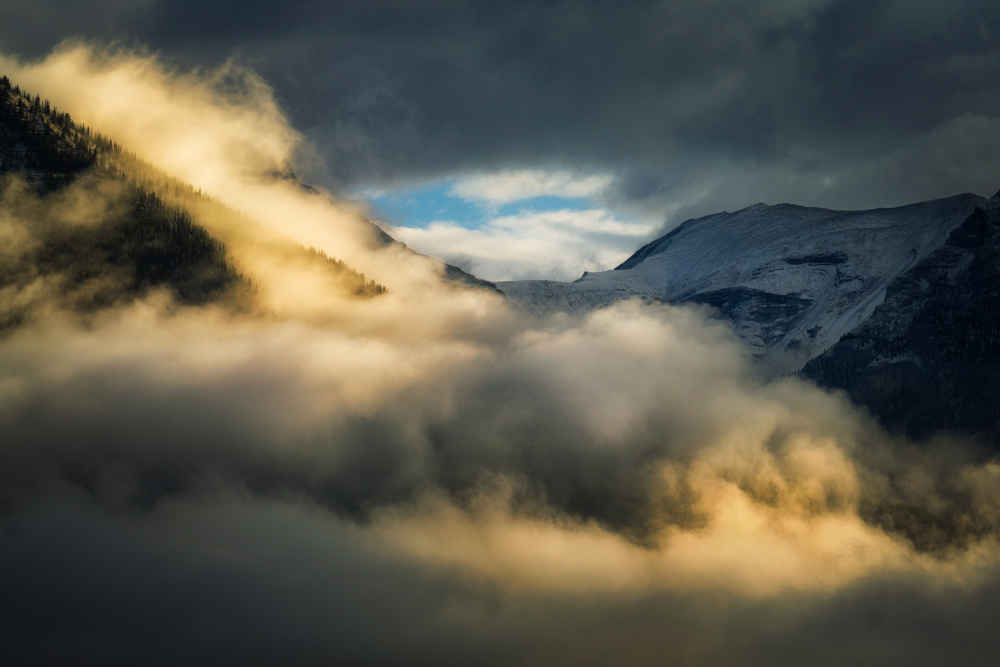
929	356
792	279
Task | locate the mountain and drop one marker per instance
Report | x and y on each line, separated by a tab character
108	239
899	307
88	225
378	239
928	358
792	279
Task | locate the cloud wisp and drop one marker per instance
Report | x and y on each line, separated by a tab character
432	467
531	244
524	224
511	186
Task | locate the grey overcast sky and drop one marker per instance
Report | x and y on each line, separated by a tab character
430	478
690	107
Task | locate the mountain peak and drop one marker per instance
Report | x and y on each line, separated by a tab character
793	279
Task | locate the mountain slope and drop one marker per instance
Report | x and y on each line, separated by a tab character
85	225
792	279
929	356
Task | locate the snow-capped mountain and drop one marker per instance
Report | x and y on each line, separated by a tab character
929	356
792	279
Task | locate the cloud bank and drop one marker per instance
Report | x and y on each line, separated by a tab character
431	478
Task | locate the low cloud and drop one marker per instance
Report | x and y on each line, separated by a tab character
432	477
553	245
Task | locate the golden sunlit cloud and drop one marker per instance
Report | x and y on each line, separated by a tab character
628	453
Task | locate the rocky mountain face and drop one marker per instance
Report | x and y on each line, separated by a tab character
899	307
792	279
928	358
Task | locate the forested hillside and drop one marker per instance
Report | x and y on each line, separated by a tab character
88	224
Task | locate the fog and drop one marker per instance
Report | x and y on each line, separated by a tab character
430	476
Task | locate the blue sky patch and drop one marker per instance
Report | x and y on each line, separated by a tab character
421	205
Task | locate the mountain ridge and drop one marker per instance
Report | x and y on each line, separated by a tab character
928	359
139	235
793	279
897	306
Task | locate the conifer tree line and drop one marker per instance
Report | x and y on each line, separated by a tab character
157	240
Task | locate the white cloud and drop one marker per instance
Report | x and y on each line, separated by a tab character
554	245
518	185
433	467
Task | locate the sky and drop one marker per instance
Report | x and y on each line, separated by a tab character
656	111
431	476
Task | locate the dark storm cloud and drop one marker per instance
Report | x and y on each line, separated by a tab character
696	106
276	583
429	478
32	27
